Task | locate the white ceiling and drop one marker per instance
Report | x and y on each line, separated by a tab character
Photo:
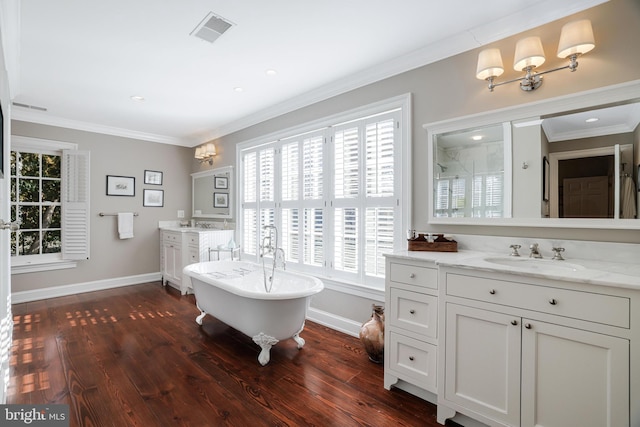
83	60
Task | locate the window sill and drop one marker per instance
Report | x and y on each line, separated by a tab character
49	266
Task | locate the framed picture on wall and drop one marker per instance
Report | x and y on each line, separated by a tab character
220	200
121	185
220	182
153	198
153	177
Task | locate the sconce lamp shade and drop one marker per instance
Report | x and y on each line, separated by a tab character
529	53
576	38
489	64
199	154
211	149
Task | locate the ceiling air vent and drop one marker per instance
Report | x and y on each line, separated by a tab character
211	27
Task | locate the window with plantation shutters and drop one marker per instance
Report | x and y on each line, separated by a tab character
50	192
333	193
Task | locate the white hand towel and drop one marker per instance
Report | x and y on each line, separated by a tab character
125	225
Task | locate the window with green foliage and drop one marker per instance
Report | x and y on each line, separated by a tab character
35	203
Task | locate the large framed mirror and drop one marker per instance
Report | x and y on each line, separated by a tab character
212	193
568	162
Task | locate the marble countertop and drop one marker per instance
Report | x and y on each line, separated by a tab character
605	273
191	229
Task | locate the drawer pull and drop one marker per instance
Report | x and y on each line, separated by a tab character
411	358
492	291
553	301
514	322
412	311
527	325
412	275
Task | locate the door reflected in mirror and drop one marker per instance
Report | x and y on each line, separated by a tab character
471	173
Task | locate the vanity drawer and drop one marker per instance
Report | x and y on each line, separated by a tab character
414	312
193	239
605	309
414	275
170	236
413	360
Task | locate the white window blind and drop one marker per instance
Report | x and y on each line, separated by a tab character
337	202
75	204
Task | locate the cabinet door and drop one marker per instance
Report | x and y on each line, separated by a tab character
168	261
482	366
573	377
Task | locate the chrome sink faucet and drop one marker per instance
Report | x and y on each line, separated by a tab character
535	253
557	254
514	250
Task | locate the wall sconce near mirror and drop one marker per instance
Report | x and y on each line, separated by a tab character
206	153
576	38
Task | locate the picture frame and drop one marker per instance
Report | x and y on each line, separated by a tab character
545	179
152	177
121	185
220	200
220	182
153	198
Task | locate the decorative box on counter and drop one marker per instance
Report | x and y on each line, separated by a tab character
433	242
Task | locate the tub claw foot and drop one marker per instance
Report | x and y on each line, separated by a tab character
200	316
297	338
265	342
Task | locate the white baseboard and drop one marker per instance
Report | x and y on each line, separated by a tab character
77	288
333	321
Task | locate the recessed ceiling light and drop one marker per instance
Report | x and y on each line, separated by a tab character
271	72
476	137
137	98
238	89
592	119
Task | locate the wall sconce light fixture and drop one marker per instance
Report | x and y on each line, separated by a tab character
576	38
206	153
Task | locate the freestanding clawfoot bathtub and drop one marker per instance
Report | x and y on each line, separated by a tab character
234	292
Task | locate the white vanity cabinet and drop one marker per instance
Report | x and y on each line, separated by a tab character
411	316
171	257
181	247
525	351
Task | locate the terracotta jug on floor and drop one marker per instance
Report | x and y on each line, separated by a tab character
372	334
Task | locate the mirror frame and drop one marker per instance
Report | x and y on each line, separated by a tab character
620	93
228	170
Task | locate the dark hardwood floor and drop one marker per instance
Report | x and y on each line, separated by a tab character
134	356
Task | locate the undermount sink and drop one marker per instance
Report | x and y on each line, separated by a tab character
537	264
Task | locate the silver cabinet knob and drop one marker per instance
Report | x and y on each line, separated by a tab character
492	291
553	301
514	322
527	325
412	275
411	358
412	311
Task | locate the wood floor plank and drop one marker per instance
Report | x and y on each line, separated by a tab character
134	356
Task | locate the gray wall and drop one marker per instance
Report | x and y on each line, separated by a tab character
111	155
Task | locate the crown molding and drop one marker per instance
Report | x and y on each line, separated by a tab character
17	113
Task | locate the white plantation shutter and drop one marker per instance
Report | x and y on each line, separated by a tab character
380	137
249	176
333	192
312	169
75	204
290	171
346	162
379	239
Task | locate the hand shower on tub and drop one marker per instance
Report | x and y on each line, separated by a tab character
269	246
